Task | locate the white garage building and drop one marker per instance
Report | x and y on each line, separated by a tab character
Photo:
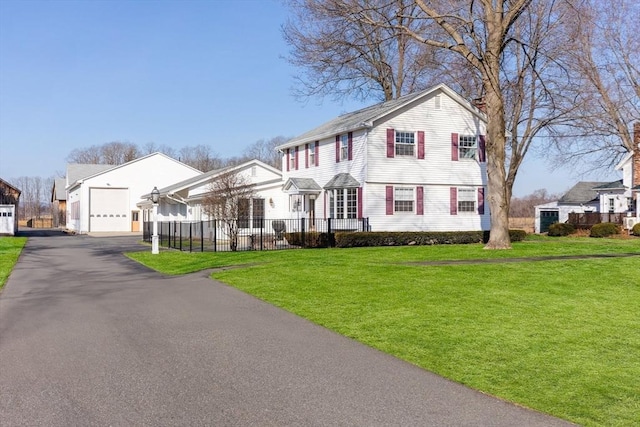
102	198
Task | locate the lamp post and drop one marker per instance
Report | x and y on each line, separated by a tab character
155	197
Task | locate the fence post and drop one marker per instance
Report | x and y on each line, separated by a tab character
302	233
262	236
190	239
201	236
215	236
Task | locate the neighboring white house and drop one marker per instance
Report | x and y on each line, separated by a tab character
416	163
185	200
617	197
102	198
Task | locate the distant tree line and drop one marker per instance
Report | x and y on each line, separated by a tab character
524	207
35	199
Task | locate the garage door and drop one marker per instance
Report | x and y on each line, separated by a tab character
108	209
547	218
7	220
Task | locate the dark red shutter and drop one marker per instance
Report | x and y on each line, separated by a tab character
482	155
306	156
421	144
481	201
350	145
391	141
454	146
295	160
317	156
288	162
453	208
419	200
359	202
337	148
389	199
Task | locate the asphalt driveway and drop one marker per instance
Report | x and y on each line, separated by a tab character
90	338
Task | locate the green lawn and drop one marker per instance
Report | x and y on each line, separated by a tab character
10	248
561	336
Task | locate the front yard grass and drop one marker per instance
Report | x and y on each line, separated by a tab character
10	248
560	336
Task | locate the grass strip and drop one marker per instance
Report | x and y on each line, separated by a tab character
10	249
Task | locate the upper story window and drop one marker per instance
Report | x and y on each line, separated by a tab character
312	156
466	200
403	199
344	147
405	143
612	205
468	147
292	159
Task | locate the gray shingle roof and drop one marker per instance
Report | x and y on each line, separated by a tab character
59	185
364	118
303	185
582	192
615	185
342	180
77	171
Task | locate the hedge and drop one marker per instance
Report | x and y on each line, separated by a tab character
636	229
312	239
390	238
604	229
561	229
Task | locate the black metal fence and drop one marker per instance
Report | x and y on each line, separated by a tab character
245	235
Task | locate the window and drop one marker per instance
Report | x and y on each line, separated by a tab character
292	159
405	143
344	147
403	199
612	205
258	213
352	202
312	156
468	147
437	102
466	200
243	213
343	203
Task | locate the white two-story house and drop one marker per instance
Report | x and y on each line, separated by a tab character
416	163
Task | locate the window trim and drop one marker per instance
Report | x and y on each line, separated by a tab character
405	199
470	198
397	144
462	147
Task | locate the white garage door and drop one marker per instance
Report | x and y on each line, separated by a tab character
7	223
109	209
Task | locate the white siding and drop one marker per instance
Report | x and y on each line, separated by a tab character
437	166
138	177
436	173
437	214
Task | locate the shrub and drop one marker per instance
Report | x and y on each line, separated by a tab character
636	229
561	229
311	239
397	238
605	229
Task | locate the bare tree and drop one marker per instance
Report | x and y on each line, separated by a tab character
524	207
228	200
339	53
111	153
200	157
604	48
151	147
265	151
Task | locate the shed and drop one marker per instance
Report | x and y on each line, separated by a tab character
9	203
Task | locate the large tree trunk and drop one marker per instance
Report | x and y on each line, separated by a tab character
498	194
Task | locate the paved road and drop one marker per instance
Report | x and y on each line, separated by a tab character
90	338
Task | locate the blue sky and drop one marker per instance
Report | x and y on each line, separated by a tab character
179	73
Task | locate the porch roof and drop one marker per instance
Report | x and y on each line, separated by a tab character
342	180
301	186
